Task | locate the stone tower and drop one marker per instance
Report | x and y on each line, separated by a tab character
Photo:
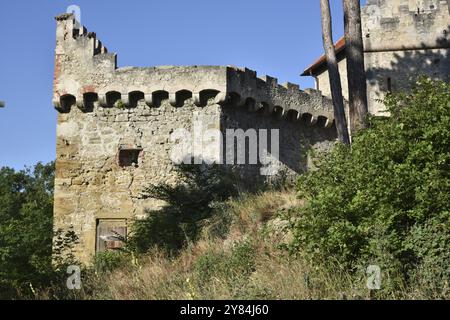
116	127
402	39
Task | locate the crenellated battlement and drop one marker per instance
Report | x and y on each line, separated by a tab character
226	86
285	101
79	55
406	24
69	29
86	76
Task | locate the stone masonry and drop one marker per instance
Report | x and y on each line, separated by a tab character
115	126
402	39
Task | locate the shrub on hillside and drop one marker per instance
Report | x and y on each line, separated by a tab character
107	261
187	205
386	199
233	267
26	230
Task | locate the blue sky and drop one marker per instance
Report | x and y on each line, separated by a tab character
274	37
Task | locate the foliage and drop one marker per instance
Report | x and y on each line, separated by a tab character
119	104
187	205
26	229
386	200
26	210
238	263
107	261
245	263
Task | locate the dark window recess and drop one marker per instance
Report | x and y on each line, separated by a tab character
111	234
389	84
129	157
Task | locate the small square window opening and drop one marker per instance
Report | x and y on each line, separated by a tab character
129	157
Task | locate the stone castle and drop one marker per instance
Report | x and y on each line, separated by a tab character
116	126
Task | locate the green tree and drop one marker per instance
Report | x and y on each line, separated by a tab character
26	211
386	200
188	204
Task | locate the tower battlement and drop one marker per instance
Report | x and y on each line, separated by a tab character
69	29
86	75
78	54
406	24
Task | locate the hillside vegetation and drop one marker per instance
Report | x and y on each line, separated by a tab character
384	201
248	261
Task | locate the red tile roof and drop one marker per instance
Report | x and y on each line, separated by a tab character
322	61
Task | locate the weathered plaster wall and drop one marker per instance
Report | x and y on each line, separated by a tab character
402	39
296	138
389	25
401	68
323	80
91	185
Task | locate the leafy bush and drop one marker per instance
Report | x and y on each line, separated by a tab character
236	265
188	204
386	199
26	211
210	264
242	260
26	232
107	261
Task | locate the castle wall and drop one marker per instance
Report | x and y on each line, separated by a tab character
295	138
397	70
391	25
402	40
323	80
118	129
91	185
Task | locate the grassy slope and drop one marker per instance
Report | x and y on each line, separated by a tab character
241	256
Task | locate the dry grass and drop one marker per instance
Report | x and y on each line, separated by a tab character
274	275
247	264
